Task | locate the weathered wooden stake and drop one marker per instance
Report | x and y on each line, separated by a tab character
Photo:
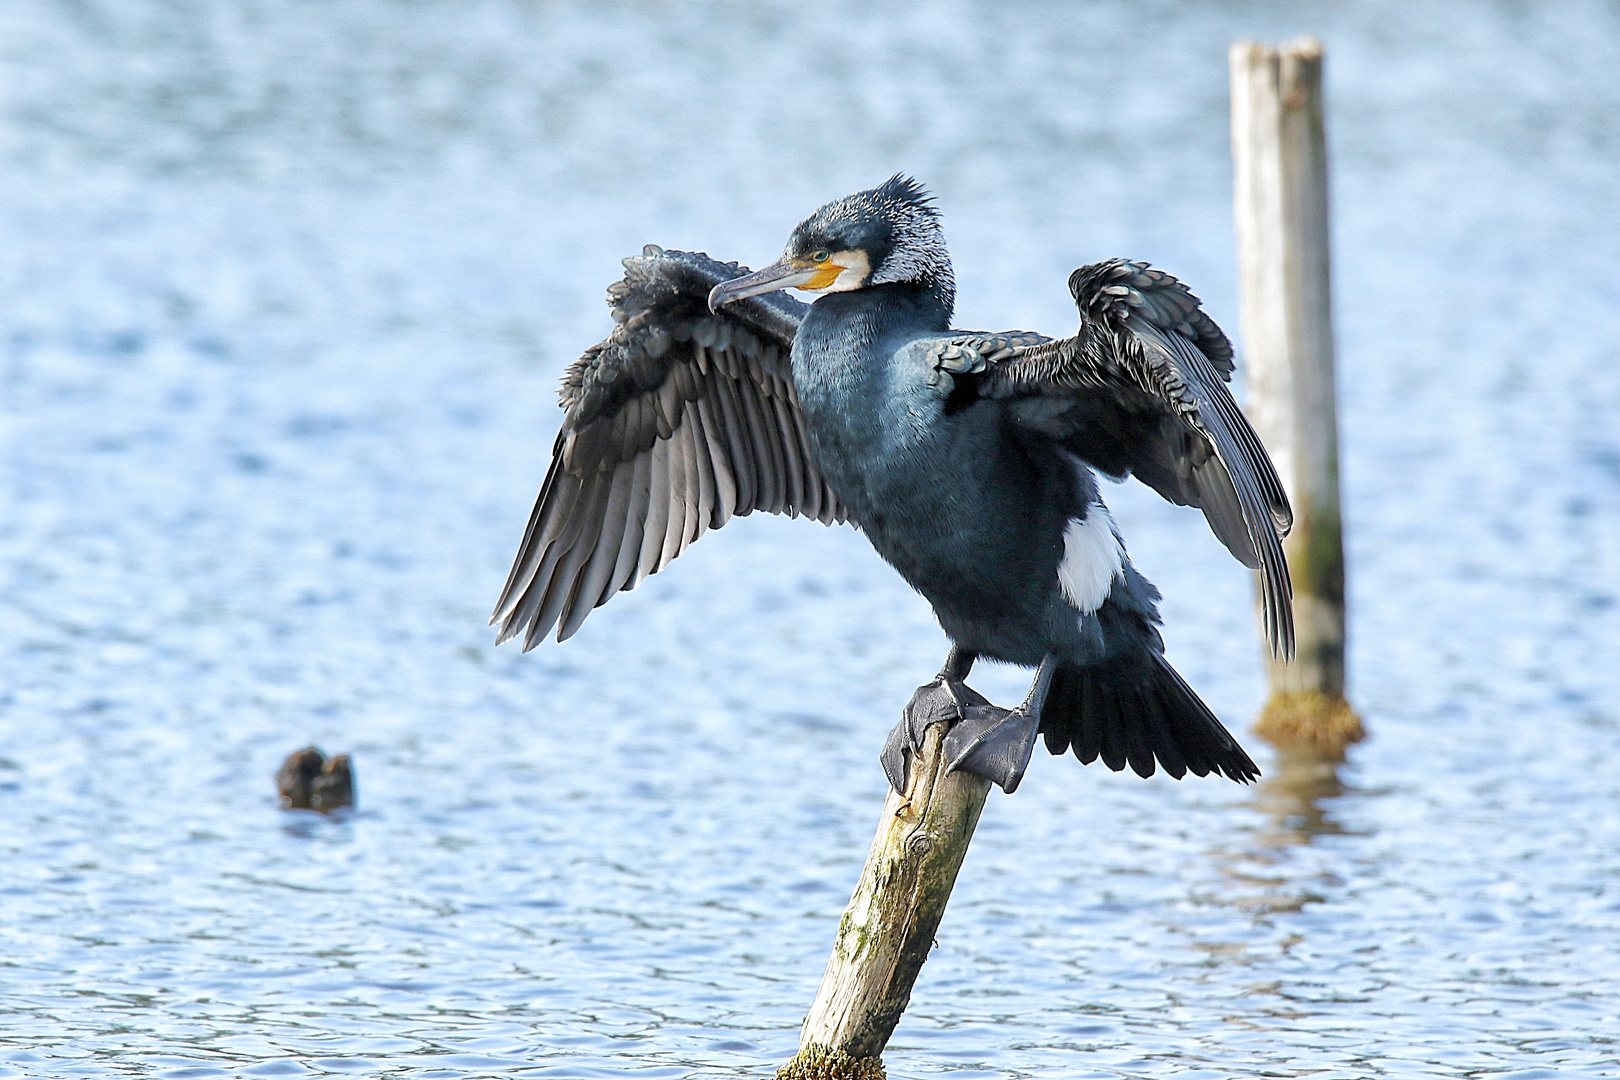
888	928
1280	153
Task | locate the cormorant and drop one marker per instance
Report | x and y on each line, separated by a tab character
968	459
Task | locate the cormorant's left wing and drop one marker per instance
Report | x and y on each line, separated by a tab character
1141	388
679	421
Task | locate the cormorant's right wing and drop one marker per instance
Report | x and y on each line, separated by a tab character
679	421
1141	388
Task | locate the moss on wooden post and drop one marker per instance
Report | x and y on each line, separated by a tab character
821	1063
888	927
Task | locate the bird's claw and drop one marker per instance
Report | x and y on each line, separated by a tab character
943	701
993	743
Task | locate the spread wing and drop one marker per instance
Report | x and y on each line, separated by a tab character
676	423
1141	388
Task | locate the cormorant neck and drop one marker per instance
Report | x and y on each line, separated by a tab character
929	301
942	291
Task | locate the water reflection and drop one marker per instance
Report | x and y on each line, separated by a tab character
314	825
1296	801
1295	798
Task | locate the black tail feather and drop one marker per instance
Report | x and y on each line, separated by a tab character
1161	737
1133	709
1084	731
1112	736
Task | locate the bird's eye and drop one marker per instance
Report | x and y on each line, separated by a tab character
820	256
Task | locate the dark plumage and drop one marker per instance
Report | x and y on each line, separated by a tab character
966	458
307	780
679	421
1142	391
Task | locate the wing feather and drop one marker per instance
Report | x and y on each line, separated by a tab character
761	446
814	494
691	488
679	421
1142	388
668	401
598	571
652	545
680	500
742	452
715	433
793	466
624	567
531	551
580	544
558	540
701	461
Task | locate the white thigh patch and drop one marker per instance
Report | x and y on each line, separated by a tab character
1092	558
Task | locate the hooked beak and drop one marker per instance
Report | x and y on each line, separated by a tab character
777	276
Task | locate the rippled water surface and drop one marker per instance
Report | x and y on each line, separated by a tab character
285	289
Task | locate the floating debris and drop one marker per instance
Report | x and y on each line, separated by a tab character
308	781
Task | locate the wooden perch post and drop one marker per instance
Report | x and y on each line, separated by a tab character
1281	191
888	928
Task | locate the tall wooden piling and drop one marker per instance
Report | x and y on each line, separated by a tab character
1281	193
888	927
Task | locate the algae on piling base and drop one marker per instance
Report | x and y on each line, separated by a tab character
1310	722
816	1062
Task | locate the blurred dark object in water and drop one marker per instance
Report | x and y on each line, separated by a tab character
308	781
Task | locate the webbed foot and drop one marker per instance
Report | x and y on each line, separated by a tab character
943	701
993	743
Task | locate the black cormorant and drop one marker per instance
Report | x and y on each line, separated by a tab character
968	459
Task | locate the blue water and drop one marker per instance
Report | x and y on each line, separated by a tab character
285	292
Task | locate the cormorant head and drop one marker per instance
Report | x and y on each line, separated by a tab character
886	234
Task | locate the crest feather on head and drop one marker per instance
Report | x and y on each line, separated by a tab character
906	189
901	220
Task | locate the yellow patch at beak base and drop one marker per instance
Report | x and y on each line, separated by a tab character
825	276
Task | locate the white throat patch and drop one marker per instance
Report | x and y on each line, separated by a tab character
1092	558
